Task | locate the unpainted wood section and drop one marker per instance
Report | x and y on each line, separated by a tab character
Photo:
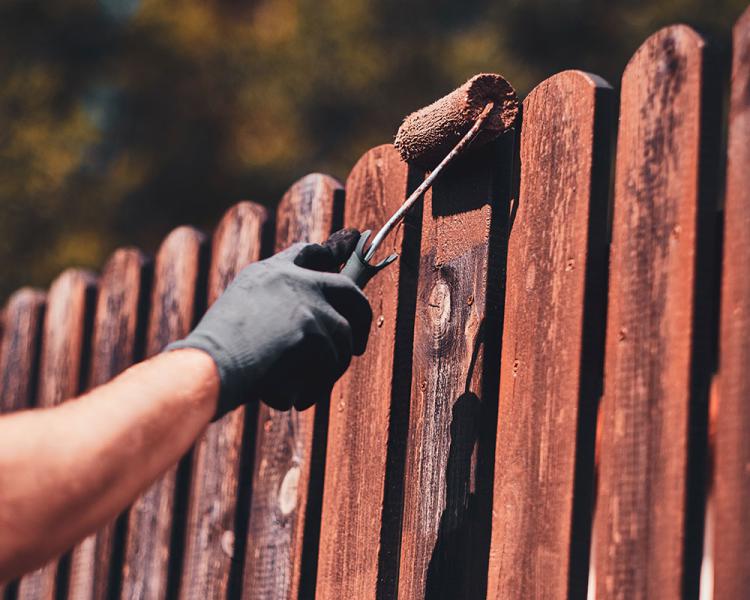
19	354
284	449
360	523
177	273
22	324
210	535
452	425
731	550
554	313
114	348
69	309
640	522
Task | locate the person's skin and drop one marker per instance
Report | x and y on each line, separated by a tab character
66	471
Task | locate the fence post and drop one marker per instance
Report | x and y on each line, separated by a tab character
63	358
654	407
553	343
217	473
156	517
118	327
731	552
369	406
290	445
453	414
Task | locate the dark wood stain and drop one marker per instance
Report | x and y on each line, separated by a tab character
290	445
219	484
96	562
19	354
731	549
178	272
650	397
553	343
362	496
70	307
453	417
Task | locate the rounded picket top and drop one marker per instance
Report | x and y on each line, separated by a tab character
237	241
308	210
570	82
184	236
18	352
669	50
70	304
178	292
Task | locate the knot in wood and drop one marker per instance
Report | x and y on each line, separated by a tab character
439	308
288	491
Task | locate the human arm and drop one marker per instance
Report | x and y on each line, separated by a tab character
66	471
284	330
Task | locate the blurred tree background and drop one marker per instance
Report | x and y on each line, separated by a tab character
122	119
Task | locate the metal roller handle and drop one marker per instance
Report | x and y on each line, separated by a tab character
358	269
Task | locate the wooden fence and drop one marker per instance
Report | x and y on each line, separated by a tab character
556	387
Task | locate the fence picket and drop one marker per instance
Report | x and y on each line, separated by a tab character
290	445
655	388
177	296
118	325
453	415
369	406
731	550
22	327
553	338
63	357
209	561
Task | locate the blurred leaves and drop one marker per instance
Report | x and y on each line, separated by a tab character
122	119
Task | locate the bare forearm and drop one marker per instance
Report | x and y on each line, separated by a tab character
66	471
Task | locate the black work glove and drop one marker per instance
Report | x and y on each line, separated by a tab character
285	329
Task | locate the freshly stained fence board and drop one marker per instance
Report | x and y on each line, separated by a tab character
22	325
552	343
361	518
216	471
654	378
64	347
453	410
115	345
179	271
731	550
290	445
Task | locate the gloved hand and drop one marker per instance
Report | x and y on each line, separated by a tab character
286	328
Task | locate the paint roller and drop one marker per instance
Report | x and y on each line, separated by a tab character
475	113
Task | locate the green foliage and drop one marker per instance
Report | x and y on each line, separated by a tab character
124	118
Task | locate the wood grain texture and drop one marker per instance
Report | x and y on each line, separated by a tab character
553	341
216	471
290	445
652	388
732	460
361	519
63	357
452	425
115	345
178	286
22	326
19	355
